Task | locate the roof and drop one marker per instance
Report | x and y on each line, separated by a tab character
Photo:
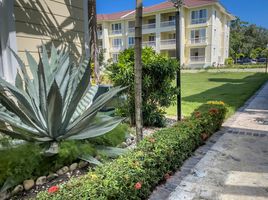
153	8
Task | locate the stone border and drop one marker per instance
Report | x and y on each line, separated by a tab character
163	191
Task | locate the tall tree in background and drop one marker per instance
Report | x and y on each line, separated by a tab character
246	39
93	36
138	70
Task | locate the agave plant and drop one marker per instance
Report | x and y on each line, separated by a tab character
52	101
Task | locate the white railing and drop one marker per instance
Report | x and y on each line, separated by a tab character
131	29
148	26
149	44
117	47
115	32
198	40
199	21
197	58
167	23
168	42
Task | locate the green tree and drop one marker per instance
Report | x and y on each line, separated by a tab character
158	90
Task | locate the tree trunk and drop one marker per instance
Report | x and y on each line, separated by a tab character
138	70
93	37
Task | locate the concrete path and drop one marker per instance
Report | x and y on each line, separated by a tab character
235	164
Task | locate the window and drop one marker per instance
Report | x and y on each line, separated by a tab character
198	36
131	41
151	21
115	57
199	16
116	28
151	38
215	14
131	26
172	36
171	18
117	43
197	55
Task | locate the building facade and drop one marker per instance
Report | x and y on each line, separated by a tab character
204	27
27	24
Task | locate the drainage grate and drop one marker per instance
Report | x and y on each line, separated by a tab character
241	132
261	121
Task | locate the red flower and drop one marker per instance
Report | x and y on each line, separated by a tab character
197	114
138	186
167	176
213	111
53	189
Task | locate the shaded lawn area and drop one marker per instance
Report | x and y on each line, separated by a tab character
230	87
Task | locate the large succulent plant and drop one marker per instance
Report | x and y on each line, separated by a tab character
53	101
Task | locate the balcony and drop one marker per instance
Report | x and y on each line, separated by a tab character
148	26
168	23
115	32
168	44
199	40
117	48
199	21
149	44
131	29
197	58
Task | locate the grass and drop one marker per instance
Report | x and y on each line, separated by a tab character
232	88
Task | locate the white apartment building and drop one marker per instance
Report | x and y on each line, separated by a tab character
204	27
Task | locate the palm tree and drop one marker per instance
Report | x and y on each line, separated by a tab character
138	70
93	37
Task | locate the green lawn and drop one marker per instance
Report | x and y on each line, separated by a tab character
232	88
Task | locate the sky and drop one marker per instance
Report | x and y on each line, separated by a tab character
253	11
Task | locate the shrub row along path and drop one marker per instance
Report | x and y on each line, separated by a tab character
234	164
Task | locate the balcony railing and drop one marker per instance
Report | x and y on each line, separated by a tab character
197	58
148	26
149	44
131	29
199	21
198	40
115	32
167	23
168	42
117	47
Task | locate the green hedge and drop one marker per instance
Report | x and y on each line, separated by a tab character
135	174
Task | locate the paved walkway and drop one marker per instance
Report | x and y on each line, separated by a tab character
233	165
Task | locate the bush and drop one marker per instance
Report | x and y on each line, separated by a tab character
157	88
229	61
26	161
135	174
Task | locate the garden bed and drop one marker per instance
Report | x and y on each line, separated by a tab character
135	174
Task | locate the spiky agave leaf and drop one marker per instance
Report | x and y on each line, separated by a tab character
56	103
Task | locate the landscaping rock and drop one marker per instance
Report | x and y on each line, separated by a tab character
41	180
124	145
28	184
17	189
63	170
82	164
73	166
4	195
51	177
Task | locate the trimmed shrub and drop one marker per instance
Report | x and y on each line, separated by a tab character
135	174
158	92
229	61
